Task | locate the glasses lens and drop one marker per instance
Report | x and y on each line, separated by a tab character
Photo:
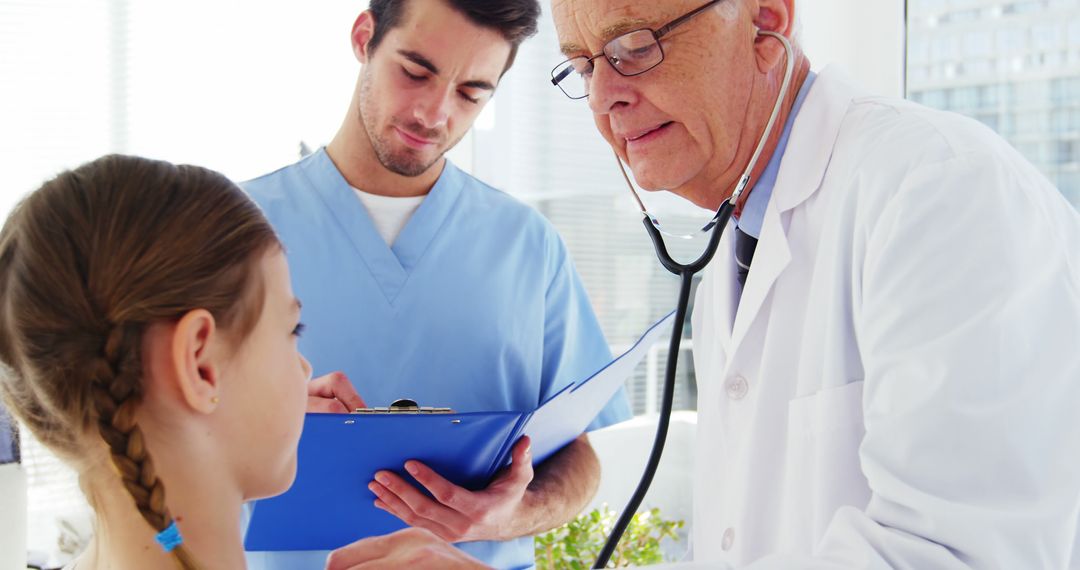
572	77
634	53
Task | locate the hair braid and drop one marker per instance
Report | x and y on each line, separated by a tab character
116	386
116	396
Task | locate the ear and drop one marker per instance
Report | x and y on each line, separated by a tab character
774	16
362	30
195	358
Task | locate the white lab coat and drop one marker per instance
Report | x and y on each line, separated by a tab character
899	386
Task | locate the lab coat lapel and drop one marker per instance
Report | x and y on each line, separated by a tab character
802	169
345	208
813	138
770	259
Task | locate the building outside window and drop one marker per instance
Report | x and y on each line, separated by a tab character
1013	65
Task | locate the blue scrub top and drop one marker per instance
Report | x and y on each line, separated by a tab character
477	306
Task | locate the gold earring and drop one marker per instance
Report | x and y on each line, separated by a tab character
214	400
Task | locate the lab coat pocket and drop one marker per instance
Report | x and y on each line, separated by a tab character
828	409
824	474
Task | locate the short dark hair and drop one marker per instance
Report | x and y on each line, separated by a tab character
514	19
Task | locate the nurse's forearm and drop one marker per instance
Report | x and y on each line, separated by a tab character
561	487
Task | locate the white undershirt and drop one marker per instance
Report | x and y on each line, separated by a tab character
389	213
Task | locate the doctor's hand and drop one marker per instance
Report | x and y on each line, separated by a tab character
457	514
413	548
333	394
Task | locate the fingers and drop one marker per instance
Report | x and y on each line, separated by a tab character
358	552
447	493
522	449
402	511
336	386
413	548
401	499
375	548
455	513
520	473
325	406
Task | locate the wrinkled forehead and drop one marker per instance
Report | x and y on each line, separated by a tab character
583	26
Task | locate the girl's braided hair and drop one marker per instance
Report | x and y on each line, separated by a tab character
87	262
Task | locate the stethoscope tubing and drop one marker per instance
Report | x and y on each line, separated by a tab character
686	275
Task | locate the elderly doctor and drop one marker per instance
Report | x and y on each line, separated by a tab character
894	380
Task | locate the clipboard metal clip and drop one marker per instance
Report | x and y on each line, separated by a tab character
404	406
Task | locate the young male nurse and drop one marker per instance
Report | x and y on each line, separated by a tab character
420	281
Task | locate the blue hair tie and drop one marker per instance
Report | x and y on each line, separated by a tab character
169	538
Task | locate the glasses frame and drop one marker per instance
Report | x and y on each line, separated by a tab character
557	77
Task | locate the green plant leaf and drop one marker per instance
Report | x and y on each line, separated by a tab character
577	544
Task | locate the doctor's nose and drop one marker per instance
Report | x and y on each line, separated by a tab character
608	89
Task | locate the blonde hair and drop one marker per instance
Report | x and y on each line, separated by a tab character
87	262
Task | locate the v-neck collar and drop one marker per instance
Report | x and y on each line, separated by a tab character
390	267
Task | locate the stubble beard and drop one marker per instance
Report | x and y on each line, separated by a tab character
403	163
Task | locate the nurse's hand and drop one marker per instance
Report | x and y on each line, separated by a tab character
458	514
333	394
413	548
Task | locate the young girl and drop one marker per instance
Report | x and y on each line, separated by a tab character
148	337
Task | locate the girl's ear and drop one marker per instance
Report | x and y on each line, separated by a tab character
194	360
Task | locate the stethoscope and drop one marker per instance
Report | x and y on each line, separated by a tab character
686	273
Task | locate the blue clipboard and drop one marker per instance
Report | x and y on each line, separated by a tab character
329	504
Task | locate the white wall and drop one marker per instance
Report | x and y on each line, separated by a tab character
13	505
865	37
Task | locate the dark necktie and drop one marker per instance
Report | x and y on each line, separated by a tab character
745	244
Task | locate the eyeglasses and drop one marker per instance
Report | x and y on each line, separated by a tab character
630	54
